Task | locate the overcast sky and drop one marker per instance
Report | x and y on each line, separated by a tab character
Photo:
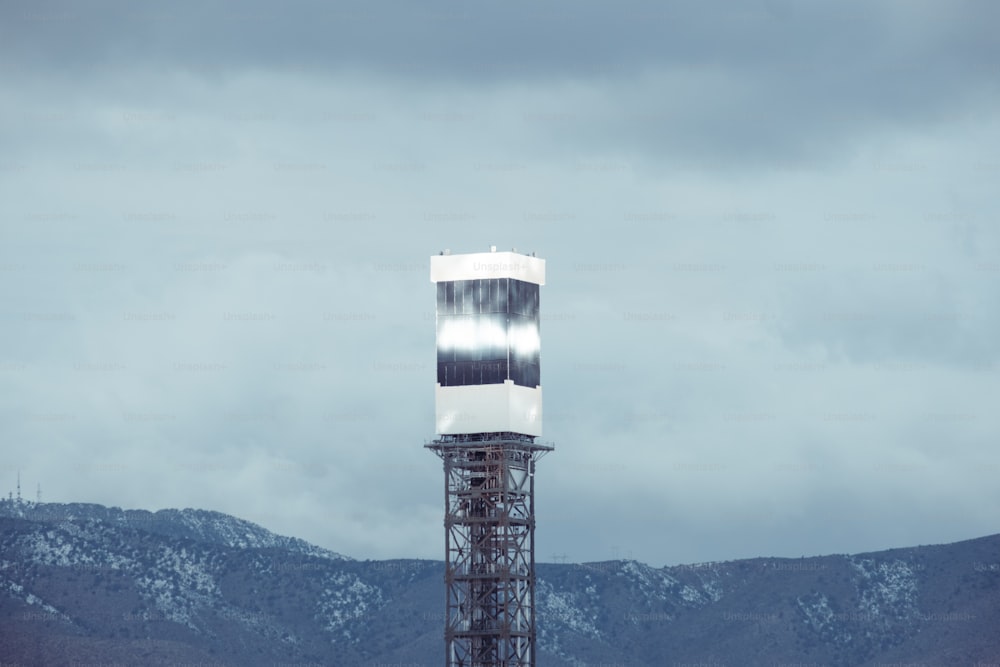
770	324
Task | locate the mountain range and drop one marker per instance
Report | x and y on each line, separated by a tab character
84	584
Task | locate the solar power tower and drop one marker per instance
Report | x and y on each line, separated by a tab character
488	405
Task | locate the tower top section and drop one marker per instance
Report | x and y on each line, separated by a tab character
477	265
488	343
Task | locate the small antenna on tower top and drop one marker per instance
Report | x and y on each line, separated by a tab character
18	487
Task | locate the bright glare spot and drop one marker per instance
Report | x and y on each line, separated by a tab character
524	340
471	334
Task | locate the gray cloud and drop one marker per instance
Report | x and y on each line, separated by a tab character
704	84
768	326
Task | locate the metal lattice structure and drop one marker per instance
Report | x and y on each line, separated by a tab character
489	543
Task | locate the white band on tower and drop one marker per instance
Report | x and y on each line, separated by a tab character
474	265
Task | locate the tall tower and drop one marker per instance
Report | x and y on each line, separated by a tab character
488	405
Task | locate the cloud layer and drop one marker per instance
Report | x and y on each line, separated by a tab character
769	325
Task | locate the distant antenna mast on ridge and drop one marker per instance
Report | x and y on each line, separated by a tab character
38	494
18	487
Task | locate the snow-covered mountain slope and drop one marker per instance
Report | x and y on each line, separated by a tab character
87	584
200	525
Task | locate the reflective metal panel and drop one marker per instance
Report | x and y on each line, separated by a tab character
488	332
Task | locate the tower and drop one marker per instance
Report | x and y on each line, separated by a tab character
488	409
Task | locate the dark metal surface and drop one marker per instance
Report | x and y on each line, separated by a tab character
488	332
489	547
